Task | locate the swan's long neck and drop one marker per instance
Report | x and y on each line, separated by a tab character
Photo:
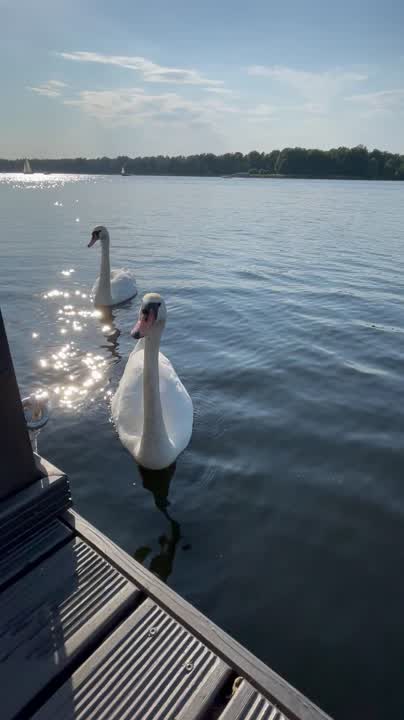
155	440
104	296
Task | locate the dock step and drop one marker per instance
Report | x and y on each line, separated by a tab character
52	617
32	508
30	547
150	668
248	704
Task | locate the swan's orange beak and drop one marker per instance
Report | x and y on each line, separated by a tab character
143	325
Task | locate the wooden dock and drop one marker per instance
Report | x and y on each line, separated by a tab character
87	633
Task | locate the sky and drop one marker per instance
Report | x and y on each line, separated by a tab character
136	77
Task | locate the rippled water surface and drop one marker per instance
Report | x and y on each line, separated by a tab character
284	519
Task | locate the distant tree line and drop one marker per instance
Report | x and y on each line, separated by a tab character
342	162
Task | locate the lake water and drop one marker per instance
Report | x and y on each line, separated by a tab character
285	521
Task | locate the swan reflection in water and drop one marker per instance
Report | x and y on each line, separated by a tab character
110	331
158	483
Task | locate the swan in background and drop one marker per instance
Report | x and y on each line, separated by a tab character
113	286
151	408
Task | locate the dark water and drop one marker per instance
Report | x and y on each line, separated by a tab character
285	517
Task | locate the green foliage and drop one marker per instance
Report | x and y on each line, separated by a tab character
400	170
342	162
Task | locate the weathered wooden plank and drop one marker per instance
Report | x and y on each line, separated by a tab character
28	525
44	499
23	554
54	615
40	511
290	701
200	701
150	668
248	704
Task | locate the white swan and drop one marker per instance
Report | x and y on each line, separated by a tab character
113	286
151	408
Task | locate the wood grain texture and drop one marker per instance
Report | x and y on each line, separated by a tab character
149	668
290	701
200	701
49	617
25	552
28	524
248	704
29	499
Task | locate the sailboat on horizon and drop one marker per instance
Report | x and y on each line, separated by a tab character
27	167
123	171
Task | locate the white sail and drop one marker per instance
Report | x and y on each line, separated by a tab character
27	167
123	171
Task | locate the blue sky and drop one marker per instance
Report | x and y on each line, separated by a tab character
174	77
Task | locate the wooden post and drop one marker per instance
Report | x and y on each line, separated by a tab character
17	463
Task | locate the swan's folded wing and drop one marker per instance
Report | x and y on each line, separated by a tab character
176	405
123	285
127	403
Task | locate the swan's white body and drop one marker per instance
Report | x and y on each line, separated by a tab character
122	287
112	287
151	408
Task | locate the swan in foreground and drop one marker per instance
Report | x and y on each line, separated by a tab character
113	286
151	408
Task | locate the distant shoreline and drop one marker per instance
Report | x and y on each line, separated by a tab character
275	176
232	176
342	163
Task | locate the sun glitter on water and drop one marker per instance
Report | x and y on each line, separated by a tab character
73	374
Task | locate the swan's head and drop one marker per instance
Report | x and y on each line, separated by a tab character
152	316
99	233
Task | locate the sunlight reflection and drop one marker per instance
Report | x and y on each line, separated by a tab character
74	375
67	361
42	181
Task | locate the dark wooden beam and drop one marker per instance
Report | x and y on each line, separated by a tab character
18	468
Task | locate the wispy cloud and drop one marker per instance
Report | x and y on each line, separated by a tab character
129	107
150	71
380	101
220	91
52	88
315	87
132	106
263	111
